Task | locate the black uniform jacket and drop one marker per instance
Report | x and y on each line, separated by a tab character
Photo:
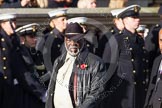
28	89
130	78
91	80
51	47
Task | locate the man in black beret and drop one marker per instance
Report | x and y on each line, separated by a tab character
79	77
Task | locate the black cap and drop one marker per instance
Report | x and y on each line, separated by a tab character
29	29
130	11
74	32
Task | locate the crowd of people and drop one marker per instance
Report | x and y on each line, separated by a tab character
72	65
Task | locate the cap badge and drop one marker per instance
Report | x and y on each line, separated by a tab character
135	9
34	28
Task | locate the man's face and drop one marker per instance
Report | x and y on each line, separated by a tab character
91	4
6	26
131	22
30	41
60	23
160	41
72	47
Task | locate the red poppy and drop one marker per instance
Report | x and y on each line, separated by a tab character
83	66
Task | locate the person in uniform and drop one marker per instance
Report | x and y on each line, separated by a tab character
29	70
78	77
51	44
116	28
7	40
151	41
154	95
129	80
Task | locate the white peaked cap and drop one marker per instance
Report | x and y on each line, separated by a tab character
116	12
80	20
28	29
7	16
57	13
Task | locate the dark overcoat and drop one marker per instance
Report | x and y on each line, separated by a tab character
154	94
91	80
129	81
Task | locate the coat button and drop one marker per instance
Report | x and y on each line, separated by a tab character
2	39
135	83
3	49
143	59
132	60
4	67
5	77
147	61
130	49
159	99
58	45
88	45
51	94
4	58
134	71
147	70
143	82
143	47
42	73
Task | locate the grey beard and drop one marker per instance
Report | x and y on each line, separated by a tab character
74	54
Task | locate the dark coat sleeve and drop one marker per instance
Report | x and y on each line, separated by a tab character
25	76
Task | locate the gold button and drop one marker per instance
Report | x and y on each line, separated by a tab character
3	49
134	71
4	67
135	83
51	32
2	39
130	49
126	38
4	58
5	77
132	60
112	31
